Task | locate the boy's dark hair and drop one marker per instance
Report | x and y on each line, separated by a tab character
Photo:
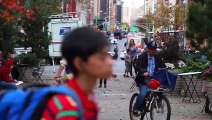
128	50
82	43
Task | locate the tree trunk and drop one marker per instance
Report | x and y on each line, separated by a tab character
65	2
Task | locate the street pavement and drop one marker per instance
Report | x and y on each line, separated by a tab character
113	101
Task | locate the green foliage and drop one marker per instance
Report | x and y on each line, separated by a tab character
1	44
199	24
7	33
194	63
30	59
170	51
35	27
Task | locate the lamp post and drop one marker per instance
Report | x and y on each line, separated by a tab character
90	11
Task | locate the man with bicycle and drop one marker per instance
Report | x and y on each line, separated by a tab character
147	63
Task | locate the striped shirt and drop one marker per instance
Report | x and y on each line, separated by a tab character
63	107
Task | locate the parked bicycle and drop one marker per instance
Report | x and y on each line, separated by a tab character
159	107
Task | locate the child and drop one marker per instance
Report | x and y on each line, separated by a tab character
85	51
127	63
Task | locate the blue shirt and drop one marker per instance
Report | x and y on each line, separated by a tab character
133	52
151	65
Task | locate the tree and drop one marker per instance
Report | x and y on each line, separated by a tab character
161	17
199	24
179	13
10	11
165	17
35	24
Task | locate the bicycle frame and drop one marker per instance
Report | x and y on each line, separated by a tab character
152	96
150	101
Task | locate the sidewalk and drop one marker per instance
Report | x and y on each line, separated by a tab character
114	100
114	103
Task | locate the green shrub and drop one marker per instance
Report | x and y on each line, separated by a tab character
30	59
194	63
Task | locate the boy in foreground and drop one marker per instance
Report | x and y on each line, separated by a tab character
86	53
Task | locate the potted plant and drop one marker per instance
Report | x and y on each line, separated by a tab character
194	64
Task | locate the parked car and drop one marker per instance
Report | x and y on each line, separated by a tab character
112	54
113	40
21	50
122	54
117	35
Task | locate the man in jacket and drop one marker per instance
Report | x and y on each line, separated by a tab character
147	63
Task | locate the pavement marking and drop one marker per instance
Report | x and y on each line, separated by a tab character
102	94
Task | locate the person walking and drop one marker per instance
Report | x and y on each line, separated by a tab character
127	60
116	52
100	83
133	53
68	72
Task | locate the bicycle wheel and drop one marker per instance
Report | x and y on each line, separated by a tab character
162	110
132	102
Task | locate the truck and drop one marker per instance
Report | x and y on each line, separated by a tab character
58	26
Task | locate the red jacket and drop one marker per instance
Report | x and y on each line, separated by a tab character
5	71
62	107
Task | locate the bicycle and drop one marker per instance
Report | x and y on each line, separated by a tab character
208	105
153	104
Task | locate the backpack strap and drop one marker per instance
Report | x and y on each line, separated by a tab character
76	98
42	93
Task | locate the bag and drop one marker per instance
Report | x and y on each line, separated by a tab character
153	84
166	78
29	104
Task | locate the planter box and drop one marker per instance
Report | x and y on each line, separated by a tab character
179	82
209	90
178	86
